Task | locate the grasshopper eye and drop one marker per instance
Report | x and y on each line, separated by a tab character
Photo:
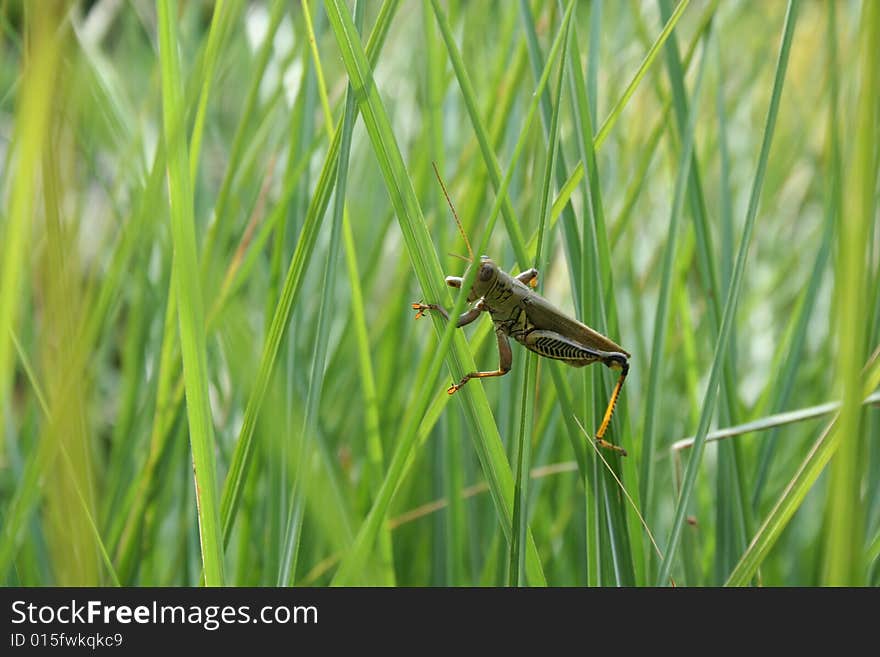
485	273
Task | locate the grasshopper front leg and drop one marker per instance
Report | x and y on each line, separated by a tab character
464	319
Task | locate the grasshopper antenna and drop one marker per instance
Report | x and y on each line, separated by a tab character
454	213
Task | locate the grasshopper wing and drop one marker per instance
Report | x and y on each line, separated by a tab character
545	315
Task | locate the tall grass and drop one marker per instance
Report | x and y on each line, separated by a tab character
216	218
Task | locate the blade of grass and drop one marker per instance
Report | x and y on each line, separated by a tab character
86	507
692	468
707	269
596	291
218	228
845	539
29	139
452	473
125	522
371	399
319	71
28	142
734	507
221	20
650	56
593	50
731	505
190	311
725	194
661	319
790	501
240	463
516	563
772	422
467	91
569	222
783	384
287	572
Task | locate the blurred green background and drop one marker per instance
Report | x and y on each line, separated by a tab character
210	241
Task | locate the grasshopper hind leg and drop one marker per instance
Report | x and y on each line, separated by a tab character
554	345
614	361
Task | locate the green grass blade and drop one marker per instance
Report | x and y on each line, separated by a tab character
30	136
452	464
240	464
322	331
650	56
29	139
371	398
774	421
844	557
190	312
221	216
593	51
783	384
661	319
730	531
693	465
594	289
726	209
790	501
467	92
734	508
220	22
516	563
569	222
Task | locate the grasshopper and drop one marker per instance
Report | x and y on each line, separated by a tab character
520	313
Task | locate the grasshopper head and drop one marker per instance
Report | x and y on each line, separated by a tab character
486	276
